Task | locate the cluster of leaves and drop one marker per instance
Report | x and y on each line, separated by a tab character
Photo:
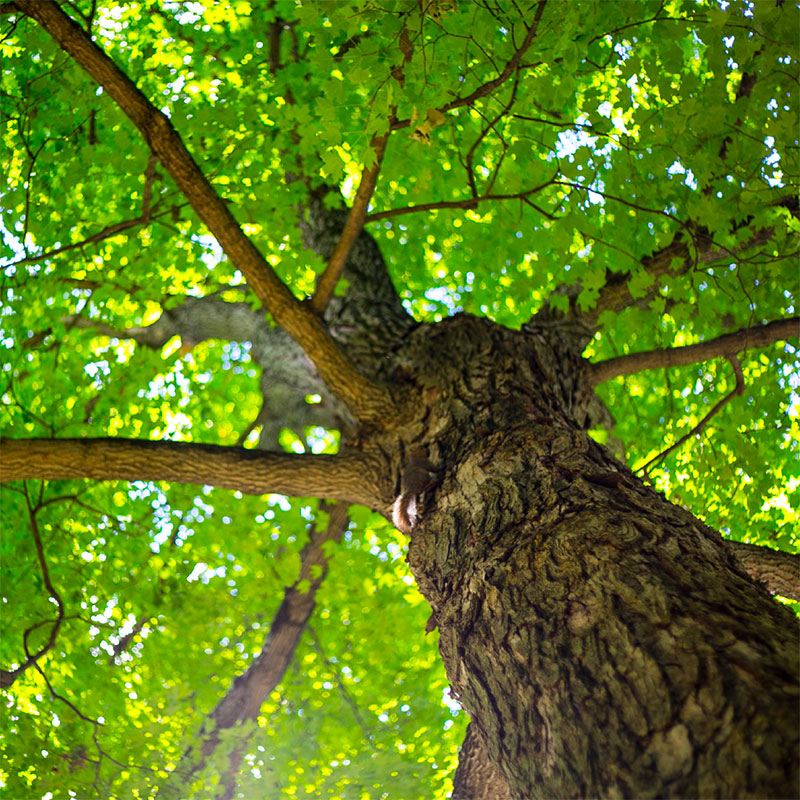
172	596
617	129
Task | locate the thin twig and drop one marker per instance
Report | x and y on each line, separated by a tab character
658	211
368	735
490	86
7	677
110	230
469	203
737	390
484	132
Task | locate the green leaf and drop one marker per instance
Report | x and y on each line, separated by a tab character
126	320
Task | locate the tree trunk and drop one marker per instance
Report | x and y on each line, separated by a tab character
605	642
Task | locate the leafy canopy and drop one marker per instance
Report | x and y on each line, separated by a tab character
621	126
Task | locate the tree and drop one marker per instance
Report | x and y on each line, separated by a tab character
529	274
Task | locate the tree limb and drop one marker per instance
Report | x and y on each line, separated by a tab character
488	127
615	294
366	400
490	86
245	697
346	476
7	677
355	222
737	390
469	203
110	230
777	570
726	345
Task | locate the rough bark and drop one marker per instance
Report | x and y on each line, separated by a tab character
369	320
560	581
604	641
778	571
477	778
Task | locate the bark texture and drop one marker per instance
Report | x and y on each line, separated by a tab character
346	476
477	778
778	571
605	642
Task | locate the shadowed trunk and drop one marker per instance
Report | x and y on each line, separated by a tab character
605	642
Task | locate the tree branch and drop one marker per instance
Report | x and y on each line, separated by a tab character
469	203
737	390
110	230
346	476
366	400
489	126
7	677
244	699
727	345
490	86
699	247
352	227
777	570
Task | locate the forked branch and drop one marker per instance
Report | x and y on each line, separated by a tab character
366	400
345	476
490	86
469	203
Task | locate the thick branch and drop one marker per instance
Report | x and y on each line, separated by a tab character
365	399
346	476
777	570
726	345
355	222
